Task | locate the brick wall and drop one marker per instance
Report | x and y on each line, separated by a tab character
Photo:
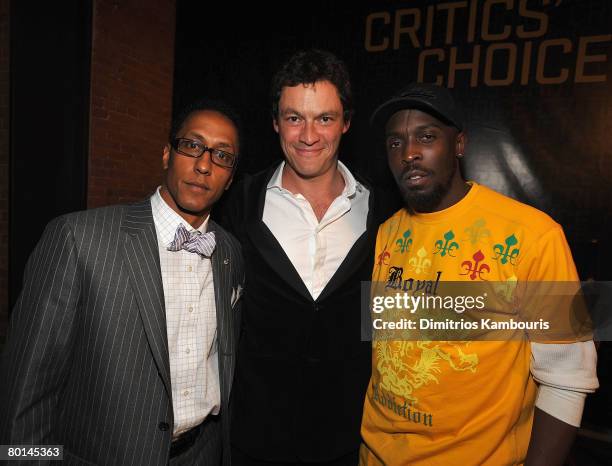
132	62
4	156
131	97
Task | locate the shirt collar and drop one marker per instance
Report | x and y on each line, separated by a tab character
351	185
167	220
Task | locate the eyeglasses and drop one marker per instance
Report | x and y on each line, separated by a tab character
195	149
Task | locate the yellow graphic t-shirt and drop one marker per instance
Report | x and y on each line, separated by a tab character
449	402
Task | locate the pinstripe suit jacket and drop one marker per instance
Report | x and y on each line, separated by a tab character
86	364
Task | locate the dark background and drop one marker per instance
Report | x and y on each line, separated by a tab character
546	145
48	121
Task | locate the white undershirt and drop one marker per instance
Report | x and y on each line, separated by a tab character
191	323
566	373
316	248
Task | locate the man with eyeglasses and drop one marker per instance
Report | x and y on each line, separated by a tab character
122	343
307	227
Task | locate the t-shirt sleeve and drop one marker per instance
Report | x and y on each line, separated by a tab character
549	291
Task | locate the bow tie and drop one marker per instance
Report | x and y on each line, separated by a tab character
203	244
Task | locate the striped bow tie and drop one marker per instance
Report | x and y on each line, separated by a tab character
203	244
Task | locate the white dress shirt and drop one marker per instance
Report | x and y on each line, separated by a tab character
191	323
316	248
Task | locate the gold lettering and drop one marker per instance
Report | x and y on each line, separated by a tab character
421	71
429	26
450	18
510	65
369	46
471	66
526	63
583	58
486	18
541	17
410	30
542	52
472	21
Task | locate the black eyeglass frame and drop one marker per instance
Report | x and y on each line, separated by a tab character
204	148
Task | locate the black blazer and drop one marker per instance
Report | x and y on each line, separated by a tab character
86	364
302	368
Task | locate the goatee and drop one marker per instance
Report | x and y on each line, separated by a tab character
417	200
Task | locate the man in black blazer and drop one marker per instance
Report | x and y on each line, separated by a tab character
307	228
121	346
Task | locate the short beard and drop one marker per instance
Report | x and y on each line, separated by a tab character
418	201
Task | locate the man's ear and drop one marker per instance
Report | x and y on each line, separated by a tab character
229	182
166	156
347	125
275	124
460	144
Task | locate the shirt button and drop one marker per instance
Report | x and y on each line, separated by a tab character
189	268
186	393
163	426
187	351
190	308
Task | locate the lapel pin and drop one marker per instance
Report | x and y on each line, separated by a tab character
226	261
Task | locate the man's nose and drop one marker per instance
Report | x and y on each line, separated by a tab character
412	151
309	134
203	163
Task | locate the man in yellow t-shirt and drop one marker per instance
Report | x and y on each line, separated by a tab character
504	402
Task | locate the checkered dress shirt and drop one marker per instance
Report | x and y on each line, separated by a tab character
191	323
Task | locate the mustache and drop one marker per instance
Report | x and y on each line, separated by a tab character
414	167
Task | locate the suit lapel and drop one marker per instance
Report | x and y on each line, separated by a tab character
222	280
222	262
263	239
141	254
